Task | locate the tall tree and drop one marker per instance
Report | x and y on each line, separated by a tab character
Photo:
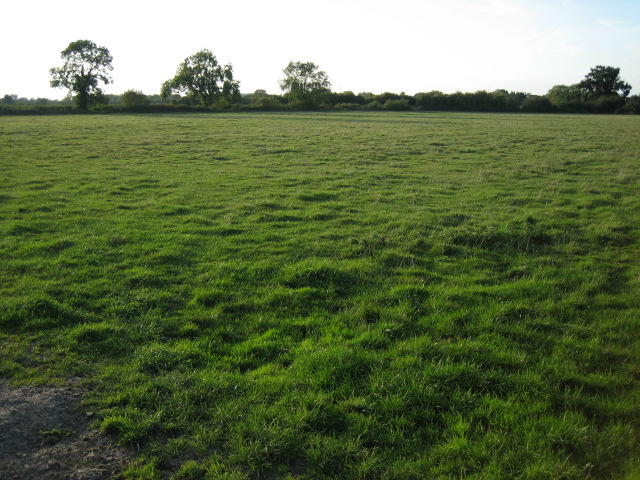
85	65
303	82
604	81
204	80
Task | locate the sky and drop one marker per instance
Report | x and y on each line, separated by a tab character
373	46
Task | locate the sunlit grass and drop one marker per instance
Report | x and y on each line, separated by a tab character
332	295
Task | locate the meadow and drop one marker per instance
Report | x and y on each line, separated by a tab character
332	295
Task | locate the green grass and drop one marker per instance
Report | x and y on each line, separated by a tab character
321	296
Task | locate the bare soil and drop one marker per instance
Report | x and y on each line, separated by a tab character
45	435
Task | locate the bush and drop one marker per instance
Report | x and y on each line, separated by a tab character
133	98
347	97
267	103
401	104
55	109
347	106
434	100
632	105
535	103
375	105
608	104
576	105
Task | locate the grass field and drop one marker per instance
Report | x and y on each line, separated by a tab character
332	296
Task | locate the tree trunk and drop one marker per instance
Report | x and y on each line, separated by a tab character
82	100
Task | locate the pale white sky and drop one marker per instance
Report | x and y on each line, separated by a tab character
363	45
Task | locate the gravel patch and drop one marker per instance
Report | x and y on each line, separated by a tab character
44	434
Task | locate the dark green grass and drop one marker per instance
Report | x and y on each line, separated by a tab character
319	296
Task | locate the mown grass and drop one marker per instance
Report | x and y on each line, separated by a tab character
320	296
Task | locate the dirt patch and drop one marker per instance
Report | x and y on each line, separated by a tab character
43	434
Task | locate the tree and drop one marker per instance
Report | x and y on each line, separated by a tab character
304	83
561	94
604	81
10	99
85	65
204	80
569	97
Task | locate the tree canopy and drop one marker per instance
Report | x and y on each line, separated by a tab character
604	81
204	80
85	65
303	82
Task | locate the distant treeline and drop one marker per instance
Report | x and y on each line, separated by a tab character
557	100
201	83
